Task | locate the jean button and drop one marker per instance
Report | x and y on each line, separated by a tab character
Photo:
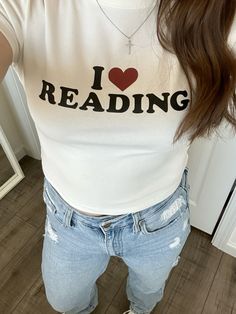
106	225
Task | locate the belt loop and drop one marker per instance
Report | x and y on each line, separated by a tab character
184	178
186	170
67	217
136	226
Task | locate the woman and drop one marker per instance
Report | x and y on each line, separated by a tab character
118	90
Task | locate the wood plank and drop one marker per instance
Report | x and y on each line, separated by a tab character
109	283
222	296
13	236
19	275
34	301
13	202
120	303
34	211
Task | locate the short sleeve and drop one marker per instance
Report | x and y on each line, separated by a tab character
11	21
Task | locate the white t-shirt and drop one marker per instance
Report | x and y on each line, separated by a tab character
105	117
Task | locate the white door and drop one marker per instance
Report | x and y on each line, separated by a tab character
212	172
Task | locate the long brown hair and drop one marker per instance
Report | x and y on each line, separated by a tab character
196	31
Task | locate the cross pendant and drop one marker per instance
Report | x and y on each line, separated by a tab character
130	45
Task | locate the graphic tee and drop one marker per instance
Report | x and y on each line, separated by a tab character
105	117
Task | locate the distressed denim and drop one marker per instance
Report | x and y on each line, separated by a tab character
77	249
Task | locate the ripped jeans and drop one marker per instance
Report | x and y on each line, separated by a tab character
77	249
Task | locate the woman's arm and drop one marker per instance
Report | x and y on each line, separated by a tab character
6	56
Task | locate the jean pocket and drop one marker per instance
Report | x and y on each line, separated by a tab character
168	216
52	206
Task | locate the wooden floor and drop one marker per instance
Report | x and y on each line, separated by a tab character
204	281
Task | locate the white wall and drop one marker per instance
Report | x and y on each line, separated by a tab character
22	122
10	125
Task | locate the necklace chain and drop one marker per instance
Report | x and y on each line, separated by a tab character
129	37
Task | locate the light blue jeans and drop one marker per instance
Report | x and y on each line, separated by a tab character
77	249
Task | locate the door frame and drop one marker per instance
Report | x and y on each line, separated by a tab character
225	235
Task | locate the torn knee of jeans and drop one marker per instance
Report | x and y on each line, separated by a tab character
176	261
50	231
175	243
185	224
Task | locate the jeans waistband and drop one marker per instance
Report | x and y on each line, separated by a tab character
96	221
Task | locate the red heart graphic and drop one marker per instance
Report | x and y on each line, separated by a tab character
123	79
